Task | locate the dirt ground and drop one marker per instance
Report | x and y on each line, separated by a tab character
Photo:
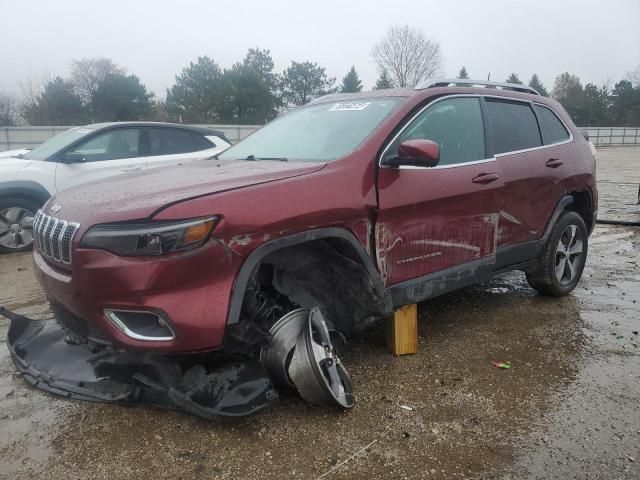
568	408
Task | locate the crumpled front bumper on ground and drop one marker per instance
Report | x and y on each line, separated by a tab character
201	384
206	385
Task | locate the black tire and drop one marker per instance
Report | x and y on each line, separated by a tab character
562	261
16	230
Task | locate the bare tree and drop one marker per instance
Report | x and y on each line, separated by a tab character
407	56
87	73
634	76
32	87
8	110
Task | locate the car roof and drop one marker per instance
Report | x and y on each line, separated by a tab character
193	128
441	86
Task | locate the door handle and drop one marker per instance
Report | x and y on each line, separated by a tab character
553	163
131	169
485	178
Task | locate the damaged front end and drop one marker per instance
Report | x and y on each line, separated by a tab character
205	385
298	303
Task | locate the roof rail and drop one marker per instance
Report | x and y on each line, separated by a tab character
463	82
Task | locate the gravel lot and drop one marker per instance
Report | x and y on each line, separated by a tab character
569	407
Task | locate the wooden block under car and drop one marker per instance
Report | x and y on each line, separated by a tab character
402	330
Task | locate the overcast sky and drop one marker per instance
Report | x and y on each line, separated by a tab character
598	41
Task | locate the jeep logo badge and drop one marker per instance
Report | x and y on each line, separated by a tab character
55	209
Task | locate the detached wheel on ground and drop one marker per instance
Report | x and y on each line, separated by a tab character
560	266
16	224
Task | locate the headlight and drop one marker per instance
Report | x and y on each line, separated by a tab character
149	238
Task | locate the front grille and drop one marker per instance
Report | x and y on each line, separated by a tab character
53	237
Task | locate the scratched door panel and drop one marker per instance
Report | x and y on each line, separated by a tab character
434	219
531	191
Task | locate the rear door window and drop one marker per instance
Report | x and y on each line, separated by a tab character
514	126
170	141
455	125
553	130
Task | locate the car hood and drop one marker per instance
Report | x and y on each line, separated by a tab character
8	163
12	153
136	196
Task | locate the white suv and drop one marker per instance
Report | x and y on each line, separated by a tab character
84	154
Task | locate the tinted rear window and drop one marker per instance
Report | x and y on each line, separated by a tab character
514	126
168	141
202	142
552	129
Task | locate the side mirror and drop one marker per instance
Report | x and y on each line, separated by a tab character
72	157
417	153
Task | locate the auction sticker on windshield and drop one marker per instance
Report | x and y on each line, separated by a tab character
351	106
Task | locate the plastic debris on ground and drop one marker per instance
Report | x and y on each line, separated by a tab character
501	365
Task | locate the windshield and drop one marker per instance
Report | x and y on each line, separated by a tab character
323	132
57	143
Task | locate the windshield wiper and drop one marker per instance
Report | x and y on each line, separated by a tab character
277	159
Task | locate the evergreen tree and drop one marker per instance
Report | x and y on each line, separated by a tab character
250	90
383	81
58	104
198	93
513	78
568	90
120	97
596	106
462	74
304	81
351	82
537	85
625	105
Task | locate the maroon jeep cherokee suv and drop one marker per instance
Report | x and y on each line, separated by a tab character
354	203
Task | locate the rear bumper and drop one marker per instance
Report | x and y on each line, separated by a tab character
190	290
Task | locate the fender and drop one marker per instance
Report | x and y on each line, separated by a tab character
24	188
560	207
265	249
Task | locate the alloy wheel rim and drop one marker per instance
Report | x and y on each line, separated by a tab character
569	253
16	228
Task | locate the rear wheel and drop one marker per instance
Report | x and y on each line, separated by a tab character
560	266
16	224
